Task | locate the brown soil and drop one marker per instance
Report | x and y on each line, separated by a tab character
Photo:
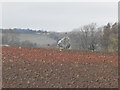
51	68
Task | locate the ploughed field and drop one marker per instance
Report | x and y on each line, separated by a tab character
51	68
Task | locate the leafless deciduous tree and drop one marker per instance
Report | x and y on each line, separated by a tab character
85	37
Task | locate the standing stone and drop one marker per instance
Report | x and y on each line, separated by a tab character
64	43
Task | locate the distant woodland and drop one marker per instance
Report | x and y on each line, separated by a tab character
88	37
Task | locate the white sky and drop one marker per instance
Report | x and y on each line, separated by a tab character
58	16
59	0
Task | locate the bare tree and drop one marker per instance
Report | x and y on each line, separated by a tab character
86	38
106	35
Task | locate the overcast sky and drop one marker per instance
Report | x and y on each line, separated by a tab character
59	16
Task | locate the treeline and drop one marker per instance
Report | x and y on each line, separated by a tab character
10	37
89	37
29	30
